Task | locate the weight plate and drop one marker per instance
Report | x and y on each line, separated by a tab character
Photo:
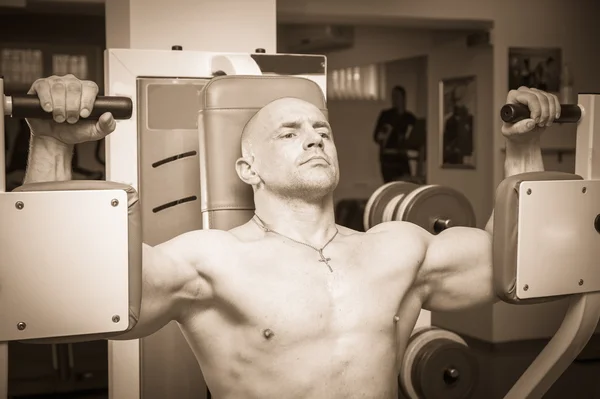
435	208
445	370
378	201
391	208
419	339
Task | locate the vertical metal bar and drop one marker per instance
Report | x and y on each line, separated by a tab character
583	314
3	345
2	143
124	369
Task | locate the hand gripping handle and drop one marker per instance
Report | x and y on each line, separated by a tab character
28	106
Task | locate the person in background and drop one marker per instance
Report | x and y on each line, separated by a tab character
392	131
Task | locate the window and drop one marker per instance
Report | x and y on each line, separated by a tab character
357	83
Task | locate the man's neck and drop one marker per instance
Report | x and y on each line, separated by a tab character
309	222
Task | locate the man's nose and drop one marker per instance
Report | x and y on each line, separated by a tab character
313	139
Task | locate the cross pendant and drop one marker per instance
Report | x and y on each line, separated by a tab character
326	260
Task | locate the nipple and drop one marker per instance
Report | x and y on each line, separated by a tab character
268	333
396	319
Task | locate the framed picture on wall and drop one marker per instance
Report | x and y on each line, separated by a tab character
458	97
539	68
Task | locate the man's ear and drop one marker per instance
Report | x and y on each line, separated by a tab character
246	172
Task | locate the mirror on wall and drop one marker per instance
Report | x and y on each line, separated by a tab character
378	115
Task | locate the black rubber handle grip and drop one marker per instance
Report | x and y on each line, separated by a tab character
28	106
512	113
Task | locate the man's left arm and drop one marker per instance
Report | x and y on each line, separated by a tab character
457	270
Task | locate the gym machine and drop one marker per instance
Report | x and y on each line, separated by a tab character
149	81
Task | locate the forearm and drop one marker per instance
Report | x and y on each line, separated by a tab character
48	160
520	158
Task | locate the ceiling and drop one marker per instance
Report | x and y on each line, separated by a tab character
289	12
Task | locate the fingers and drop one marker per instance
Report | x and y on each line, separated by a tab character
557	106
89	94
525	96
67	97
544	107
58	92
73	100
41	87
521	127
106	124
544	117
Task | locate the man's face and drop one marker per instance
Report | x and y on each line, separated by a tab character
294	152
398	100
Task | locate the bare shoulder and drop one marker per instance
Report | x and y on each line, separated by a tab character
405	230
199	246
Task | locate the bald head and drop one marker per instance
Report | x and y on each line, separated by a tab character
272	116
288	151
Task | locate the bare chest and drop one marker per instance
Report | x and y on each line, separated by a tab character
296	293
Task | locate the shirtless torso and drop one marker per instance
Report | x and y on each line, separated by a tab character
274	322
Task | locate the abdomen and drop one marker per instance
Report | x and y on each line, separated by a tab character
356	365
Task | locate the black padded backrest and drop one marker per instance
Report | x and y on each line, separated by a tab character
227	104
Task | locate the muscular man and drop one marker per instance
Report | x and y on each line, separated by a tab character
291	305
391	130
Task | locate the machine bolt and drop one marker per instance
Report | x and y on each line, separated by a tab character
116	319
451	376
114	202
19	205
21	326
525	287
529	191
442	224
580	282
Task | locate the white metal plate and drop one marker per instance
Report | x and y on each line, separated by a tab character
63	263
558	245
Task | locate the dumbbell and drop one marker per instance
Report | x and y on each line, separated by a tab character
438	364
433	207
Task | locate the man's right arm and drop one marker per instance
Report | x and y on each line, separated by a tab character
170	285
48	160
